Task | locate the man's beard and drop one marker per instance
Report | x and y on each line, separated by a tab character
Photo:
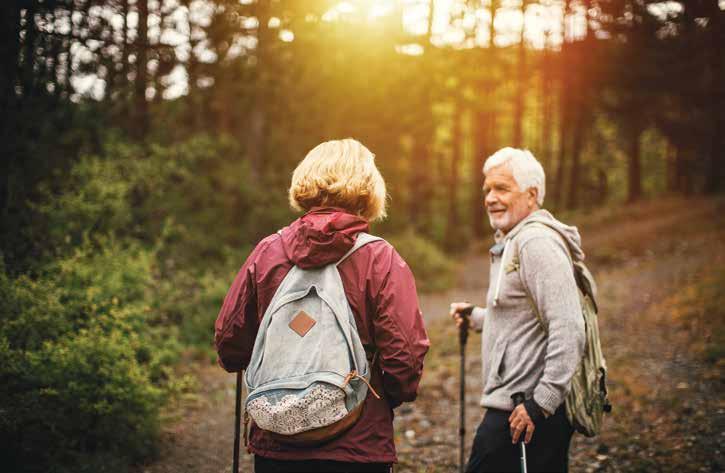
491	220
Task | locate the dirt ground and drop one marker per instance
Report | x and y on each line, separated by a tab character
661	334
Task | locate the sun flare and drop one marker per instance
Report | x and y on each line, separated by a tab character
454	24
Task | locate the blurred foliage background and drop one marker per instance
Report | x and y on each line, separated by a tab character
147	146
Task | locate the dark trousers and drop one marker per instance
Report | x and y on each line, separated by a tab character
493	451
268	465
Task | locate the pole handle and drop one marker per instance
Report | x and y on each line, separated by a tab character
518	398
463	329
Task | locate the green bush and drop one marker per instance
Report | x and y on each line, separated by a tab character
134	257
198	194
190	300
92	199
82	362
133	252
433	270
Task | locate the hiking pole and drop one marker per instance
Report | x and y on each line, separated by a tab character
518	398
237	422
462	339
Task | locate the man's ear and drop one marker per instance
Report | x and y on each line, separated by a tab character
532	196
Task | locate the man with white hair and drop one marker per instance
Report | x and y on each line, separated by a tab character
533	331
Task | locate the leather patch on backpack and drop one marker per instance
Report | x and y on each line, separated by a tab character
302	323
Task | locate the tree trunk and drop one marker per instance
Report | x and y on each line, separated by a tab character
580	128
142	44
9	46
124	47
9	55
157	79
28	65
684	164
547	110
671	168
520	98
419	192
192	73
485	129
9	59
564	112
453	232
634	175
603	187
420	183
68	84
256	136
53	48
483	139
716	171
581	104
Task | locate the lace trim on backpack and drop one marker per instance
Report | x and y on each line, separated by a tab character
318	406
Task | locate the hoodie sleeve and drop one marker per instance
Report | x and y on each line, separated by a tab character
478	314
237	323
548	276
399	329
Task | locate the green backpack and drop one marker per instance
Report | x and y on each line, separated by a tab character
587	400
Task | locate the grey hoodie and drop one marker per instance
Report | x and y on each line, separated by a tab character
517	355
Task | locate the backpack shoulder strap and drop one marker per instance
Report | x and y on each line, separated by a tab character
516	264
582	276
536	311
361	240
555	234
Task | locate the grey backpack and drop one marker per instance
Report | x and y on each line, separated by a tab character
308	375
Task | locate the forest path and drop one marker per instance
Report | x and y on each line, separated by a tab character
668	410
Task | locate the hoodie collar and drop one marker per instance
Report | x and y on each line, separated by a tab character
570	234
321	236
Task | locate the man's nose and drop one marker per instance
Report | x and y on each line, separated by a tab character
489	199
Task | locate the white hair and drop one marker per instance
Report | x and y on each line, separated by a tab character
527	171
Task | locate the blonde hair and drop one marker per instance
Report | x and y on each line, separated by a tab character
339	173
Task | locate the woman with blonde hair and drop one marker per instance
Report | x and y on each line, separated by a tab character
340	190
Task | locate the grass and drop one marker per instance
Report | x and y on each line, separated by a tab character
698	309
616	214
645	229
665	330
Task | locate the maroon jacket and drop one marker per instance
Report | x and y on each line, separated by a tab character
381	291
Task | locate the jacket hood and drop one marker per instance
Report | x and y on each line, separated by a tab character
321	236
568	233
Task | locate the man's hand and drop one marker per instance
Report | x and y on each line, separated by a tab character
459	310
519	422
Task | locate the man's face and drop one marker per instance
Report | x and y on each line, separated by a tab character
506	204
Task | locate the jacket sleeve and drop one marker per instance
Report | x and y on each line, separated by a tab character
548	276
400	334
237	323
